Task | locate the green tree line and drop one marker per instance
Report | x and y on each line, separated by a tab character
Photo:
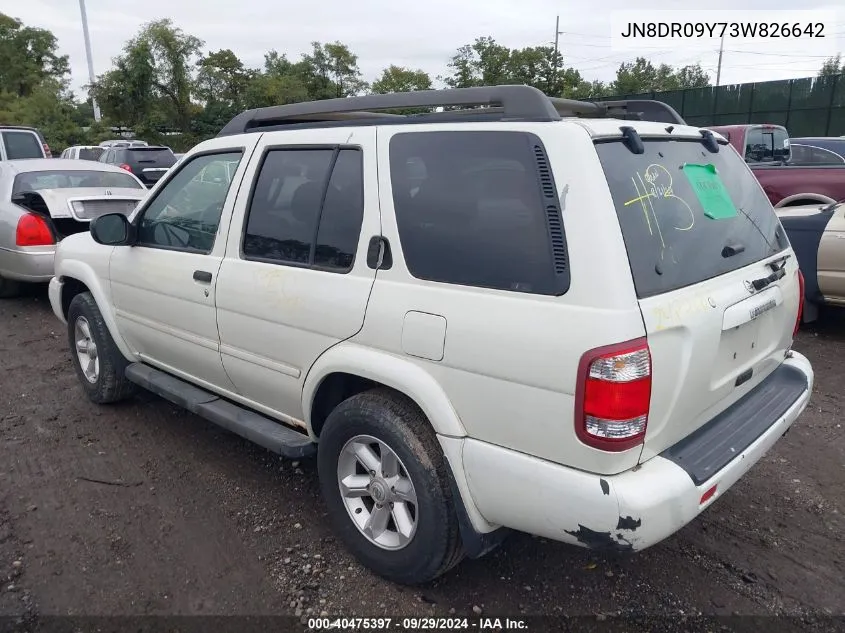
164	81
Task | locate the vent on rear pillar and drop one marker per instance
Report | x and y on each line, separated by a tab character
554	221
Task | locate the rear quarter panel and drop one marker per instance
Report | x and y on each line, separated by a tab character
797	184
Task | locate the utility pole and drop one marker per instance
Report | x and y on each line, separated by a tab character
719	66
91	77
557	39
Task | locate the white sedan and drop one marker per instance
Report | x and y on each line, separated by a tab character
44	200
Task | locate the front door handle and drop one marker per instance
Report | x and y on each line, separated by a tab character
203	276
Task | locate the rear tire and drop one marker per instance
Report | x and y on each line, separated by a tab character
98	362
9	288
408	542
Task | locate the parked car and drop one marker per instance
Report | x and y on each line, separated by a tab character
479	321
148	163
767	150
17	141
817	150
83	152
817	235
43	201
123	142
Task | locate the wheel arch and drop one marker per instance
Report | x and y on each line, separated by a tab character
347	369
798	199
76	278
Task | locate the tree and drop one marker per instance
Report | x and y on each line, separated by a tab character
486	62
222	79
642	76
330	71
28	58
400	79
832	66
152	82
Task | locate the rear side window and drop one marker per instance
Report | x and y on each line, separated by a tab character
160	157
471	210
22	145
766	144
307	208
672	240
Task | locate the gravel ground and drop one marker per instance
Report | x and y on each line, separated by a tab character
141	509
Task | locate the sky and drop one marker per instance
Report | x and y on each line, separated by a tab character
425	34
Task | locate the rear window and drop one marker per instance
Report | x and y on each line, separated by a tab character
67	179
22	145
673	241
90	153
160	156
766	144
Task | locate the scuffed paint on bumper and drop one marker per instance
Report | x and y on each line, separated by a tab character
625	512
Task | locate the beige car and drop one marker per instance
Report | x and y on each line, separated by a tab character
817	234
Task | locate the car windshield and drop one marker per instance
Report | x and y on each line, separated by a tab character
68	179
686	214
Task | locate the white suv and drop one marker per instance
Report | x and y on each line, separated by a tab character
530	317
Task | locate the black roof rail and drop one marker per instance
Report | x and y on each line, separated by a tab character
508	102
517	102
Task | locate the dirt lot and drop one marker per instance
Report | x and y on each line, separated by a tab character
142	509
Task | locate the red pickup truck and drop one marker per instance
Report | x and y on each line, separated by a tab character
766	150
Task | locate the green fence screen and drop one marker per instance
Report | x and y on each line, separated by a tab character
814	106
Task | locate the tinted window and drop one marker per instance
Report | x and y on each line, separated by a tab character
811	155
342	214
22	145
285	205
766	144
185	214
469	210
159	157
671	242
66	179
90	153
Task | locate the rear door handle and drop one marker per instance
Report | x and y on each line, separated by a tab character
203	276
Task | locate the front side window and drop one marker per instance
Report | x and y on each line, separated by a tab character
307	209
470	212
185	214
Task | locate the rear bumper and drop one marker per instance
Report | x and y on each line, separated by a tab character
625	512
28	266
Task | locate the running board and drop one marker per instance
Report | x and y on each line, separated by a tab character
255	427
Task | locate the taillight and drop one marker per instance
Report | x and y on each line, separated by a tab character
613	396
33	230
800	302
126	167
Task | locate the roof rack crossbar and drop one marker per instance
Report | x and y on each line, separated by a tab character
517	102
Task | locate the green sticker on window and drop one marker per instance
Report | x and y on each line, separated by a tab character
710	191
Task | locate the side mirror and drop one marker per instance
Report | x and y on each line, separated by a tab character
112	229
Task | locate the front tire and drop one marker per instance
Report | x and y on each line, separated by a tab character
384	480
99	364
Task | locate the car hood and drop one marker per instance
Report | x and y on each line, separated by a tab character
83	203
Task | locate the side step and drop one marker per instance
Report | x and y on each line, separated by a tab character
257	428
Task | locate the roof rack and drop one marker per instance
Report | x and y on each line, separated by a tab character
503	103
